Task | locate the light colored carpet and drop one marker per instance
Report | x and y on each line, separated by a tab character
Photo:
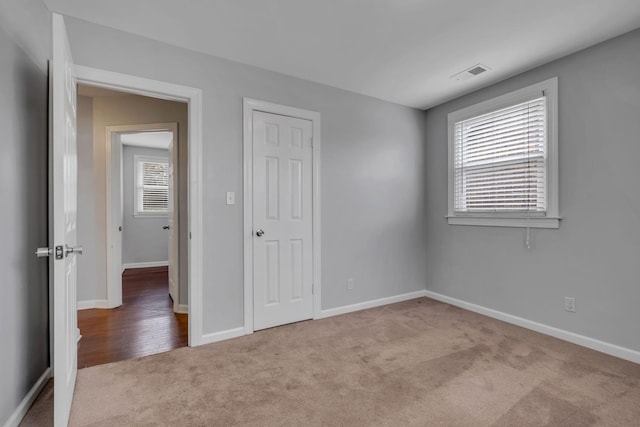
416	363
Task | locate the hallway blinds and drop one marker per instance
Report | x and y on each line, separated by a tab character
152	186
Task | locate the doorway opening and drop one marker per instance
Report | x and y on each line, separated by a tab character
133	218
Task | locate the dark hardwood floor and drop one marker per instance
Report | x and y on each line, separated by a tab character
145	323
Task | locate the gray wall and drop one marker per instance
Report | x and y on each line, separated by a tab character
594	254
24	329
372	171
88	283
143	239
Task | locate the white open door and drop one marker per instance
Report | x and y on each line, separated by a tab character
63	222
172	210
115	221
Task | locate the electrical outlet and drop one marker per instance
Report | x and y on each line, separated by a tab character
570	304
350	284
231	198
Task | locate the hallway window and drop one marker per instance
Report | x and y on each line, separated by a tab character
152	185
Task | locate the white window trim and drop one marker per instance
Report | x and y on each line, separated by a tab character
137	158
551	218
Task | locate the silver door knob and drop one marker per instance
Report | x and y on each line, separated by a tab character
72	250
165	227
260	232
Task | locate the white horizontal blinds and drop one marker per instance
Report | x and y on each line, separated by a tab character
500	160
152	186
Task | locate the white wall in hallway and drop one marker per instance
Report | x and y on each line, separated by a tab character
114	111
143	239
88	283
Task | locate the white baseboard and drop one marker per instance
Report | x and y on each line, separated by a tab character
182	309
222	335
17	416
238	332
145	264
584	341
92	303
369	304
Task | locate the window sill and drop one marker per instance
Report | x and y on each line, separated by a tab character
537	222
149	215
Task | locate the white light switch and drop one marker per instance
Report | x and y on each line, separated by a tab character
231	198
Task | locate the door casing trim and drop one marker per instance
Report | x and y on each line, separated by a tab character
113	219
193	97
249	106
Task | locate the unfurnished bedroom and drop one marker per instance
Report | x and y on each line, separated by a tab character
320	213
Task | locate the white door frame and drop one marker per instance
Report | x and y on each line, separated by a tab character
249	106
114	207
193	97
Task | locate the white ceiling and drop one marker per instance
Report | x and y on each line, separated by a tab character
159	140
402	51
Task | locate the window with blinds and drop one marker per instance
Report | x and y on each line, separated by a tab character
503	160
152	185
500	160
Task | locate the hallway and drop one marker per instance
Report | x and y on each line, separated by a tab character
145	323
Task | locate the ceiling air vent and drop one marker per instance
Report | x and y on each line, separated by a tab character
474	71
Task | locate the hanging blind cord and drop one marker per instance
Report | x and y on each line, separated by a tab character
528	229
